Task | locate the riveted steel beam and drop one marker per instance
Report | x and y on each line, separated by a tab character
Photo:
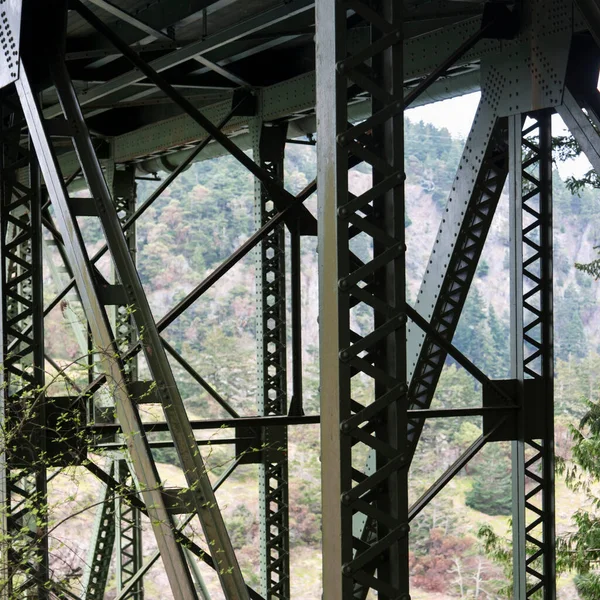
193	465
128	529
532	358
102	540
271	331
127	414
376	352
475	193
23	461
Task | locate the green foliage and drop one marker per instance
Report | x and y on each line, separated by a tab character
437	155
571	342
592	268
492	487
482	336
483	269
240	526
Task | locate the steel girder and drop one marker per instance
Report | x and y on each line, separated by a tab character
127	413
532	353
376	285
243	29
269	152
129	534
468	216
23	487
127	517
103	341
102	542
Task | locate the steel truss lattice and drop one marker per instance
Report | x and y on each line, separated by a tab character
532	353
272	343
375	283
23	461
368	54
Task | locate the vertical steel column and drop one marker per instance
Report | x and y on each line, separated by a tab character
127	518
25	509
95	576
532	353
129	538
350	423
269	148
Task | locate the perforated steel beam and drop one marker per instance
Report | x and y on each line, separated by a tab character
127	518
102	541
269	152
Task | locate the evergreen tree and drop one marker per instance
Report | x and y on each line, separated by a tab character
492	487
472	335
570	342
498	362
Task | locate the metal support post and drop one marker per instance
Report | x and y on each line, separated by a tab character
532	352
129	535
127	517
102	541
269	148
25	572
378	354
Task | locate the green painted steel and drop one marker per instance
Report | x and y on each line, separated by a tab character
532	356
127	518
23	462
269	152
377	352
103	340
102	542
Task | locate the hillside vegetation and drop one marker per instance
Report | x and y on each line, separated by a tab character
201	220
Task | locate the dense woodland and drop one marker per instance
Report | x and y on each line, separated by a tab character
201	220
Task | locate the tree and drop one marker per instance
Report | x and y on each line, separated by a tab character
472	336
492	488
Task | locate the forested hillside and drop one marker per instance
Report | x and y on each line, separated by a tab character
201	220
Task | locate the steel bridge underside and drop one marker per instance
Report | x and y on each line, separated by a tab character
97	94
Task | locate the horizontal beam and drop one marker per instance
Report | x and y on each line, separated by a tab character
252	25
258	421
286	421
130	19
